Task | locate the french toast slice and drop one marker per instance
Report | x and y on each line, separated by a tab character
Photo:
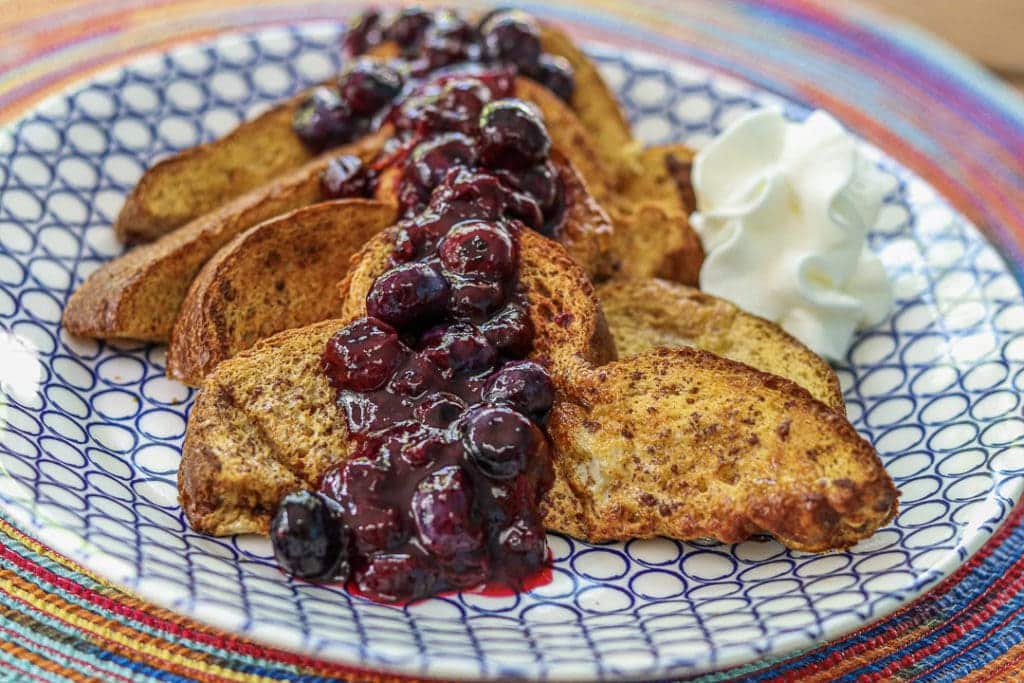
225	312
265	423
196	181
274	276
592	101
650	313
686	444
807	477
138	294
651	212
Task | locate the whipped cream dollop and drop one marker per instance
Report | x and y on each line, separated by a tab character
783	211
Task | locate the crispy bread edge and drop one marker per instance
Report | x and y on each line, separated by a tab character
224	312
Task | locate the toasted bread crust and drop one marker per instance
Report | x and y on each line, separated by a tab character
683	443
593	101
198	180
274	276
677	441
653	237
650	313
269	410
138	294
264	425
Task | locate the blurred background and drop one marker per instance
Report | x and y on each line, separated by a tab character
991	31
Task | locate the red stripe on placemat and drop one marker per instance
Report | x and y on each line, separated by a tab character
221	641
70	658
959	632
110	645
878	641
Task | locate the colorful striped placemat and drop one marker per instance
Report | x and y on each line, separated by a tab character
933	110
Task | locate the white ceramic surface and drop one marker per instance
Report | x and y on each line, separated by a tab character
90	432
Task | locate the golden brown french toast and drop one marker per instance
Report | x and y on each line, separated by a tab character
645	314
235	299
200	179
651	213
274	276
196	181
265	422
593	101
686	444
138	294
807	477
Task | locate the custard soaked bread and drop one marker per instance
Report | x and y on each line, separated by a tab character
199	180
265	422
270	278
282	273
768	455
686	444
645	314
138	294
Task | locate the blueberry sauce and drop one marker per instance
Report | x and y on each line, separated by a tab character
450	461
428	42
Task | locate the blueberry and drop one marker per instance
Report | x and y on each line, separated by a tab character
450	26
408	27
432	159
415	377
524	543
524	385
362	33
512	135
499	440
368	85
476	194
361	480
442	508
510	330
377	528
462	349
363	355
479	248
310	538
556	74
440	410
396	577
323	119
408	294
473	298
512	37
457	107
412	442
345	176
542	183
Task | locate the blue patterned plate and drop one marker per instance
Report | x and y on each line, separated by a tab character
90	432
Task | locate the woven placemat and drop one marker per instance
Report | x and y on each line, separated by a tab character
932	110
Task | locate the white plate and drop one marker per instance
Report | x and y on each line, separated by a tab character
91	433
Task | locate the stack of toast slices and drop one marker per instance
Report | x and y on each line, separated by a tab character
676	413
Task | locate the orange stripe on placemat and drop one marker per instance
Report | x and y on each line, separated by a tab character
135	609
1005	668
24	655
117	638
78	663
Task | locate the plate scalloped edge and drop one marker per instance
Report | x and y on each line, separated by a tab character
91	431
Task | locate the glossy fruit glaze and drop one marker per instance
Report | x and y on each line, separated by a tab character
450	461
427	42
